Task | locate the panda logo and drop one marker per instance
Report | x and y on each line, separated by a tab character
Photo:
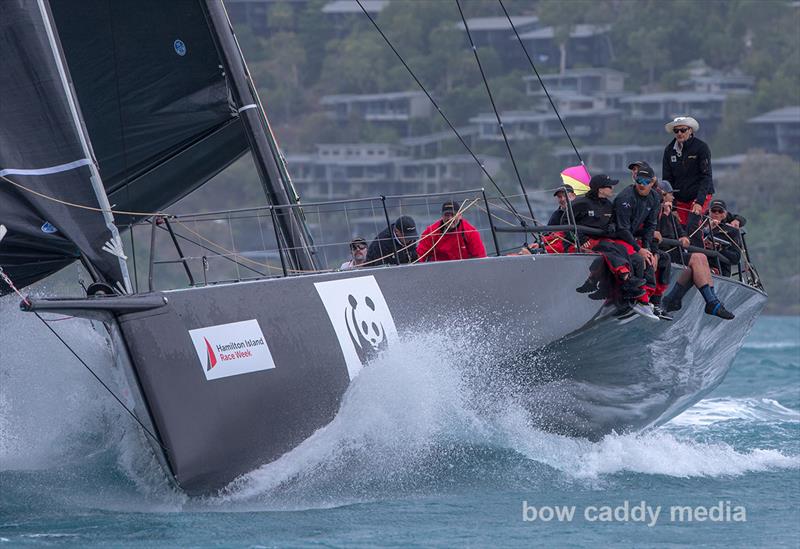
365	328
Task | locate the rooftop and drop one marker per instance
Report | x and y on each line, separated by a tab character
673	96
590	71
438	136
786	114
351	6
364	97
536	116
610	149
497	23
578	31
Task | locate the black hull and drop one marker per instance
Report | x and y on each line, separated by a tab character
580	374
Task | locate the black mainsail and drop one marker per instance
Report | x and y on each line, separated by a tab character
126	105
46	159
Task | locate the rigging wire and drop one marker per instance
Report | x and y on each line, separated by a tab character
496	112
441	113
533	66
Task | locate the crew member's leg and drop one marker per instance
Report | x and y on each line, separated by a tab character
699	273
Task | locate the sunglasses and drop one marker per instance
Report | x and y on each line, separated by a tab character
717	211
680	130
359	247
643	181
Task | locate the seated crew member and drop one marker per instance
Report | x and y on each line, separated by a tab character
697	270
669	226
595	210
724	238
358	254
400	238
451	237
561	215
636	211
554	242
687	166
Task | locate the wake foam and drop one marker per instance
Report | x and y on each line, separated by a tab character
413	422
755	410
55	417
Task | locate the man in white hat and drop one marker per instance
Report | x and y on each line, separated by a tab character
687	166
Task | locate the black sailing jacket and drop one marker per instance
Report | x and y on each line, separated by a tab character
636	216
689	171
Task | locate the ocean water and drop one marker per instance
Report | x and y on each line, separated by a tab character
406	463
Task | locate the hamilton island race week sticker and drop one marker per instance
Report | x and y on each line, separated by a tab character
231	349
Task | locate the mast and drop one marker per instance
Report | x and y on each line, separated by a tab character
267	156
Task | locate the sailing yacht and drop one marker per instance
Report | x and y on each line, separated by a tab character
113	111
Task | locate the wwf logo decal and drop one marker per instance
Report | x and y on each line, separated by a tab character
360	318
365	327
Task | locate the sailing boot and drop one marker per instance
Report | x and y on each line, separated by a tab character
589	286
658	309
632	288
718	309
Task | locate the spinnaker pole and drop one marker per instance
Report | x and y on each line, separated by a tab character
296	241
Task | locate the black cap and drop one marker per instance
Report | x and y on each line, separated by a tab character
717	203
666	186
450	206
639	164
405	224
646	171
357	240
561	189
602	180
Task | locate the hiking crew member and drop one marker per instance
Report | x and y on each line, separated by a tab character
669	226
451	237
687	166
636	211
594	209
724	238
399	237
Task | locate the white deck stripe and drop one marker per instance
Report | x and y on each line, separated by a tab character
44	171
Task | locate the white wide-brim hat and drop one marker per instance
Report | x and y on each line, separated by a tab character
682	121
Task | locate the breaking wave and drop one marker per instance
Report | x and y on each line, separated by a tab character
715	410
410	424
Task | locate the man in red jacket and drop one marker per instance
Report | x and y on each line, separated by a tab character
451	237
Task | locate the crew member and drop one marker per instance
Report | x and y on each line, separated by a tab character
723	237
669	226
697	270
358	254
555	242
687	166
451	237
595	210
636	217
398	239
564	195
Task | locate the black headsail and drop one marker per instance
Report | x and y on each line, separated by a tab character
46	159
150	82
